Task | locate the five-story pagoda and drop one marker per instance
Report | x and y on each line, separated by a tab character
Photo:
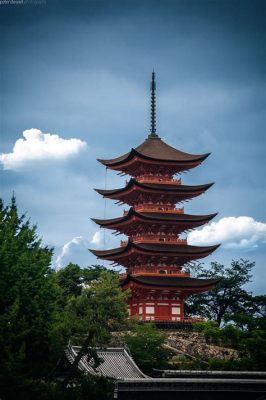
154	253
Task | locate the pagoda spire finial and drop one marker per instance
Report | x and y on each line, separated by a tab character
153	133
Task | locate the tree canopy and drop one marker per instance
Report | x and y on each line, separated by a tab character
41	310
28	295
145	343
229	297
72	279
236	317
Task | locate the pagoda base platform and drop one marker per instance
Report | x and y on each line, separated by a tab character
173	326
185	324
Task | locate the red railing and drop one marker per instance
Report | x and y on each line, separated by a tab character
157	207
154	272
153	239
187	320
156	179
157	239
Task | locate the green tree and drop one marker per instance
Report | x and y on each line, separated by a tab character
253	316
41	310
72	278
28	297
229	296
69	279
249	340
145	343
89	318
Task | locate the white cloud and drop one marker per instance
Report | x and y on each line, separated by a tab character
232	232
97	238
75	251
36	145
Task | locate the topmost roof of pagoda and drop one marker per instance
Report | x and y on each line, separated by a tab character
155	149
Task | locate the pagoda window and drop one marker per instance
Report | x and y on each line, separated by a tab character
163	271
149	309
140	310
176	310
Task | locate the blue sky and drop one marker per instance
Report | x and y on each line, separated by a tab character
81	70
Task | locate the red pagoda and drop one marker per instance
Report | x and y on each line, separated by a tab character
154	253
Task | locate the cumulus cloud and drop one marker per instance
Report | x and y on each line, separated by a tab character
97	238
75	251
232	232
36	145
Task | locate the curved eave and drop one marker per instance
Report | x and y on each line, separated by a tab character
116	162
175	249
107	222
109	253
161	218
164	249
168	281
155	150
155	188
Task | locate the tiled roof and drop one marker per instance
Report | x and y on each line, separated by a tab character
157	216
168	281
177	249
158	187
116	363
157	150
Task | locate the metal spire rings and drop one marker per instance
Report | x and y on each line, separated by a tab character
153	108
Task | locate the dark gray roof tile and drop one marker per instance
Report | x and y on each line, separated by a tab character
117	363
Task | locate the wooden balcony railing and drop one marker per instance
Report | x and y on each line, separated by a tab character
142	271
156	272
157	239
157	179
185	320
158	208
154	239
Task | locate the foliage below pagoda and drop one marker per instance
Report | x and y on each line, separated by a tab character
146	345
229	297
42	310
237	319
248	339
28	296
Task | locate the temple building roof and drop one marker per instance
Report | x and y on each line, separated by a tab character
154	217
116	363
178	192
180	253
169	281
156	150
